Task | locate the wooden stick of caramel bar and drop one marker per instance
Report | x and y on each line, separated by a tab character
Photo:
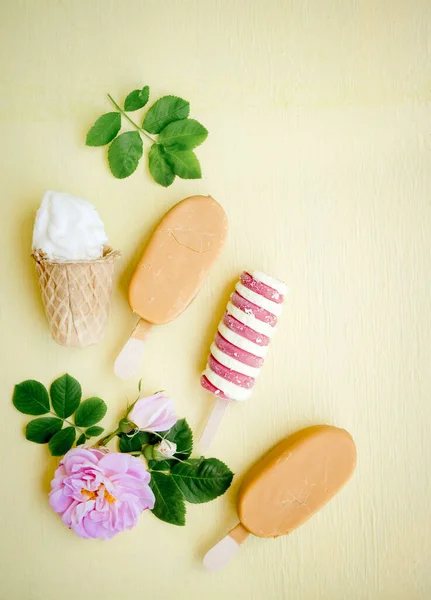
288	486
171	270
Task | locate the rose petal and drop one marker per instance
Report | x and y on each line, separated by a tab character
59	502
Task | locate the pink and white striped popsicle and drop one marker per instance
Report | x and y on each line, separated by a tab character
241	343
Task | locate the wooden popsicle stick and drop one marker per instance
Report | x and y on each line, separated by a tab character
129	359
213	423
219	555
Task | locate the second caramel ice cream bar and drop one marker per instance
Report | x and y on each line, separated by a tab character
288	486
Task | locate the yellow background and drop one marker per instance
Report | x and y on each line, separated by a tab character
319	150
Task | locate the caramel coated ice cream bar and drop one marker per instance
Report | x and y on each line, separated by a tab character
172	269
288	486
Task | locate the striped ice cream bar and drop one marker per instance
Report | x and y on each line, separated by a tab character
243	336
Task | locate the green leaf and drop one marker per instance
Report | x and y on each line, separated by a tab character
124	154
145	93
160	465
182	436
134	443
202	479
31	398
160	167
81	439
183	135
93	431
62	441
169	504
41	430
137	99
90	411
185	164
164	111
104	129
65	395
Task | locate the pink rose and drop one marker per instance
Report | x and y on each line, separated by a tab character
154	413
98	493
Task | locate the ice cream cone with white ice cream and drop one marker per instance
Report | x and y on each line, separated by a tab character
75	268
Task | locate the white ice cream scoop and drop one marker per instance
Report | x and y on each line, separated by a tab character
68	228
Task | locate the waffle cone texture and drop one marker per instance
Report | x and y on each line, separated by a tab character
76	296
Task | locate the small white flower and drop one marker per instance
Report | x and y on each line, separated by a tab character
165	449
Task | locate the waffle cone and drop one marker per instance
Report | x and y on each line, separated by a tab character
76	296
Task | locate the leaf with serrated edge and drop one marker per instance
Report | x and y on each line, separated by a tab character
160	465
93	431
62	442
160	168
203	479
81	440
104	129
185	164
135	442
41	430
137	99
65	395
164	111
31	398
182	135
182	436
169	506
124	154
90	412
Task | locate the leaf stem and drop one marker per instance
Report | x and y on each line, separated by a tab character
130	120
67	421
103	441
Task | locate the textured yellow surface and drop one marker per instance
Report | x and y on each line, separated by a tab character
319	149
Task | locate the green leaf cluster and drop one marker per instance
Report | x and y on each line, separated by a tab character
64	400
179	479
64	419
170	155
